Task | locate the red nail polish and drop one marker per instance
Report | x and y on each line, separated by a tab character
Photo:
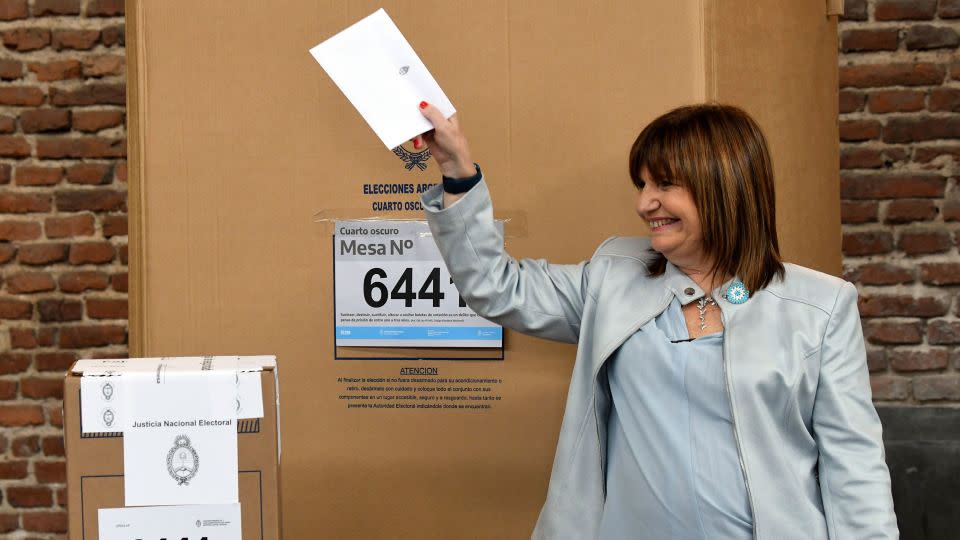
423	104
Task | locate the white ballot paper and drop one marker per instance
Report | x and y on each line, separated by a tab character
101	387
381	75
179	438
213	521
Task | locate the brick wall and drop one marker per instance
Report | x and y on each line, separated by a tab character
63	234
899	152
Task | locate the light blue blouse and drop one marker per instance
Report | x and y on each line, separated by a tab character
673	472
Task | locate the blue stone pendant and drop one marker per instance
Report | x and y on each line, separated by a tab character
737	292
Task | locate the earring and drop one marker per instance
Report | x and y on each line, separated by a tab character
737	292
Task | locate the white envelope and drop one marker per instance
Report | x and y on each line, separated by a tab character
219	521
384	79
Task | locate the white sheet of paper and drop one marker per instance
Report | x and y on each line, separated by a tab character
382	76
179	438
220	521
101	385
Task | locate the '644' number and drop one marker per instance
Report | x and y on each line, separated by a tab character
376	293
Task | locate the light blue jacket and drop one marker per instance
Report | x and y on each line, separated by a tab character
795	367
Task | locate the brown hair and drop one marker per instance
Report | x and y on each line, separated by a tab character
720	154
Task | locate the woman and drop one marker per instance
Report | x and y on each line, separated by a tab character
717	392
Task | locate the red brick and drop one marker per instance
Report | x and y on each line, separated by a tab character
59	310
881	305
13	469
26	446
5	173
90	94
114	225
893	10
30	282
75	39
881	273
55	415
55	361
860	158
75	282
47	336
936	387
42	388
121	170
908	210
55	7
894	333
29	496
122	253
90	173
854	10
13	363
940	332
918	359
924	37
940	273
92	253
26	39
38	176
8	124
949	9
94	121
920	242
876	360
14	147
119	282
80	147
21	96
8	390
10	69
19	230
106	308
851	101
898	74
894	185
926	154
23	338
42	254
858	211
24	203
57	71
867	243
21	415
7	252
82	337
926	128
951	210
114	35
99	200
47	522
885	101
53	446
15	310
105	8
869	39
859	130
103	65
13	9
62	227
889	387
945	99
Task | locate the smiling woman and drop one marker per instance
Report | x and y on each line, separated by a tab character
718	392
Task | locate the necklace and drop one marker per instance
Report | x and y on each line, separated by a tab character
702	304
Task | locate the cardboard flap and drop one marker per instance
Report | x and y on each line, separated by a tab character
834	7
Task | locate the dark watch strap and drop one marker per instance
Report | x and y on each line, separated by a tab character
462	185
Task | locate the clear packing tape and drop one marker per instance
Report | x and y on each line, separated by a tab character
514	221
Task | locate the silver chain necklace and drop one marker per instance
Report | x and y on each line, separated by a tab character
702	304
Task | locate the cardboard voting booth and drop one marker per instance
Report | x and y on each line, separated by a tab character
246	160
167	447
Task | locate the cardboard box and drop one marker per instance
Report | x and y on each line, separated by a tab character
95	466
238	139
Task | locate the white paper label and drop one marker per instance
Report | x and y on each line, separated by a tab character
211	521
394	290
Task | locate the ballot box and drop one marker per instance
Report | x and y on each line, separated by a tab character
246	163
98	425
